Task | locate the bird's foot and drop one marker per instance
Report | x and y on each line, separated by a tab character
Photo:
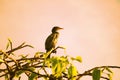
54	51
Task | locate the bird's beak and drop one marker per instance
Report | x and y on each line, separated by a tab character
60	28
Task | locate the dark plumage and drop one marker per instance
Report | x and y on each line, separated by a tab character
52	39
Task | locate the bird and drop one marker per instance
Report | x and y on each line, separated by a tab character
52	40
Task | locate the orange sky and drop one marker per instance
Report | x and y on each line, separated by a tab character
91	27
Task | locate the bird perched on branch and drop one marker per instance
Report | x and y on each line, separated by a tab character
52	39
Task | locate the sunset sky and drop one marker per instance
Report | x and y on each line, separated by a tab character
91	28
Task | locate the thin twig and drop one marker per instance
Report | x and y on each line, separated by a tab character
88	72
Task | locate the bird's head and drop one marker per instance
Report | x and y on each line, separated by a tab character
56	28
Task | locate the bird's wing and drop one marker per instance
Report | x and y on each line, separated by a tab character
51	41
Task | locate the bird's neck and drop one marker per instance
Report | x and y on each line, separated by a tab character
55	32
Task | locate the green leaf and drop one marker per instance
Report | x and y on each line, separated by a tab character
54	64
59	65
1	56
96	74
18	73
31	68
78	58
64	63
33	76
72	72
1	60
110	76
37	55
47	63
6	77
58	70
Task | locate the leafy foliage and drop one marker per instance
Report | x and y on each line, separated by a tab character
72	72
39	66
96	74
59	65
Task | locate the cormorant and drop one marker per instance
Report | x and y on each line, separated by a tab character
52	39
